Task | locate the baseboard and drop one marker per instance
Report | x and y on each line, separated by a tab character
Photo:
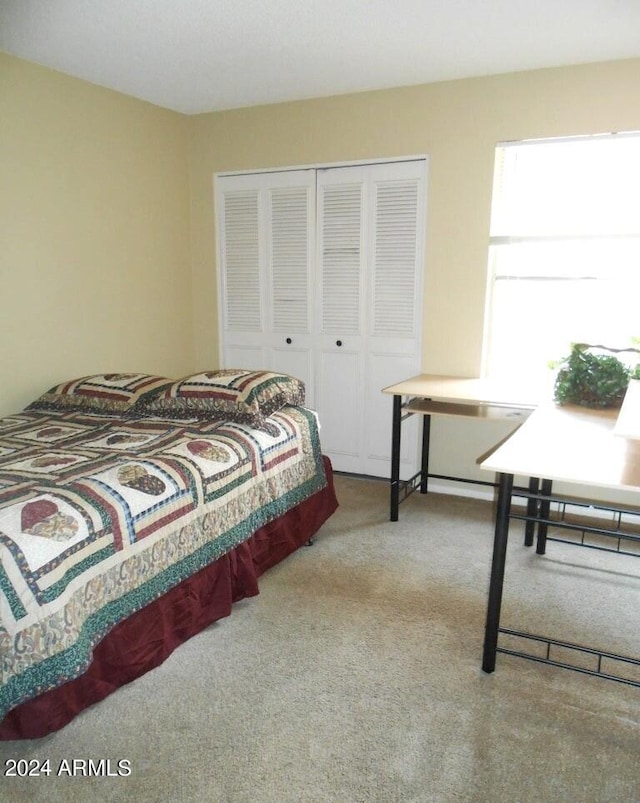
462	489
598	510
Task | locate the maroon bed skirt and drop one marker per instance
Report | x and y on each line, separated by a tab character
148	637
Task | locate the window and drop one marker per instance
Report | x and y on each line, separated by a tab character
564	254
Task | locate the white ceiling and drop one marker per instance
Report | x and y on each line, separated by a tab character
206	55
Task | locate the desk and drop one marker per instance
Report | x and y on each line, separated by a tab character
571	444
428	395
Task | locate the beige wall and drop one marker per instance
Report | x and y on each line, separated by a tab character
457	124
94	220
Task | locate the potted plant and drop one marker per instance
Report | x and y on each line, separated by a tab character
589	378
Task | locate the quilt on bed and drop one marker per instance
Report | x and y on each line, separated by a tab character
101	515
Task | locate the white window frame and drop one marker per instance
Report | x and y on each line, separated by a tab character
504	234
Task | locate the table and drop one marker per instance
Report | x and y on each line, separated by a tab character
578	446
429	394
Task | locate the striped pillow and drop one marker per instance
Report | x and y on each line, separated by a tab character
231	394
100	393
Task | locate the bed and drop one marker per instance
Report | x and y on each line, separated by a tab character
134	511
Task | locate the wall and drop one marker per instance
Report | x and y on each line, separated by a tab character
457	124
94	217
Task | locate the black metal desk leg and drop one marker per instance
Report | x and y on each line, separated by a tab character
545	508
505	488
395	457
424	464
532	512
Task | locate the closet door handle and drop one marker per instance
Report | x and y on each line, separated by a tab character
289	340
338	342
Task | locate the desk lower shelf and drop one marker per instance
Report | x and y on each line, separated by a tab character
426	407
494	412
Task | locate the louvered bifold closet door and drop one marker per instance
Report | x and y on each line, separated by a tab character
395	299
321	277
240	280
341	255
265	227
291	224
370	263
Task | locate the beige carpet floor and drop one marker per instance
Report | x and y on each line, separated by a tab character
355	677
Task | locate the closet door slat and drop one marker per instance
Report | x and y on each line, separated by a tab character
394	258
289	257
341	258
241	262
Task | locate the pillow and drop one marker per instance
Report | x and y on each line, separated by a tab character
100	393
231	394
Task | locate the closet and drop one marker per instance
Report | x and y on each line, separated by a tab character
320	276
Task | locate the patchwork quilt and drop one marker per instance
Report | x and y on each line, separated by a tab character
100	515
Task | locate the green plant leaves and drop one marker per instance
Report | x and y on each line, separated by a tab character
591	380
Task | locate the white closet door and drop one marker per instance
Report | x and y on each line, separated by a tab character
290	235
240	275
395	297
341	260
266	225
321	277
370	262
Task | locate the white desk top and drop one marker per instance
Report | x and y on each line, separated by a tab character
571	444
628	423
460	389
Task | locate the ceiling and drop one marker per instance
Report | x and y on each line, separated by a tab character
197	56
